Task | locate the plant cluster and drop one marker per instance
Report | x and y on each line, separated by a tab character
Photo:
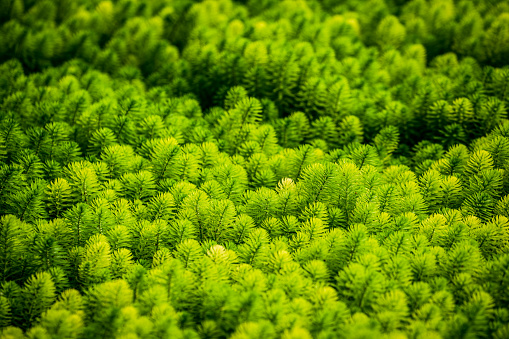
254	169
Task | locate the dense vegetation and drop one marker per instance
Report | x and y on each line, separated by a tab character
254	169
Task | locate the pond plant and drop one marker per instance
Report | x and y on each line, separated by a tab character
254	169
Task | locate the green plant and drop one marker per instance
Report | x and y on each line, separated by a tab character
254	169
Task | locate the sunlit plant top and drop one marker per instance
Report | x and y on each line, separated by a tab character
254	169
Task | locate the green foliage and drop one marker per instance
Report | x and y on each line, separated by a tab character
12	247
37	296
254	169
